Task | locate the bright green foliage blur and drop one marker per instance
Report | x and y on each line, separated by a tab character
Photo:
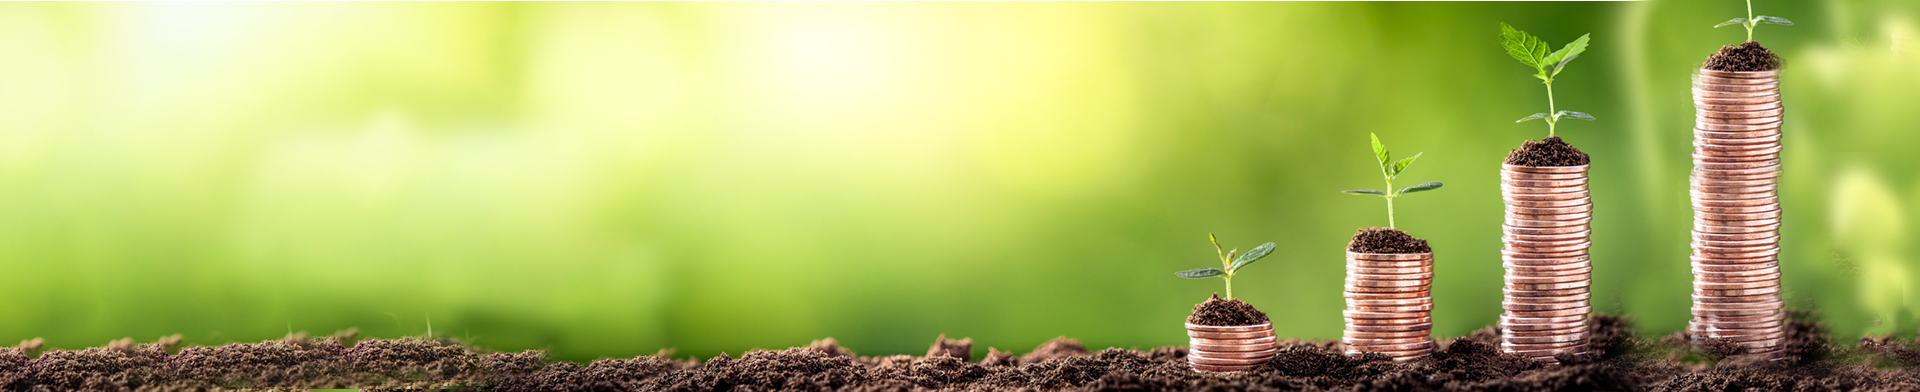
614	179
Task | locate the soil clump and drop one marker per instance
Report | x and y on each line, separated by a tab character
1745	57
1618	362
1546	153
1385	240
1225	313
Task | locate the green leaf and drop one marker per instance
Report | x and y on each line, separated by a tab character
1535	116
1524	47
1251	256
1216	246
1773	20
1423	187
1379	150
1563	64
1364	192
1402	164
1202	273
1730	22
1574	115
1566	53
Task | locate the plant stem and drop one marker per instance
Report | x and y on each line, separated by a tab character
1229	286
1750	22
1389	197
1550	109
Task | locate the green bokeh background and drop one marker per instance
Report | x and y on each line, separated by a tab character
614	179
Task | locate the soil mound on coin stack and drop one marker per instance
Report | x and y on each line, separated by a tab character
1385	240
1550	152
1746	57
1225	313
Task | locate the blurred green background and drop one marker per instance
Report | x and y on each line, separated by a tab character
614	179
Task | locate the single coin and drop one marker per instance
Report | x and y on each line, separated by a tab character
1384	341
1545	263
1711	151
1401	285
1744	100
1770	86
1577	195
1736	137
1385	335
1550	339
1544	230
1718	321
1507	319
1722	229
1408	308
1547	286
1718	127
1392	347
1544	329
1524	258
1741	244
1359	315
1772	200
1576	346
1728	192
1268	327
1423	288
1516	175
1389	271
1573	209
1742	121
1548	186
1558	245
1232	347
1699	93
1731	299
1510	292
1717	328
1549	237
1423	276
1734	268
1717	114
1390	256
1737	253
1551	313
1736	237
1541	307
1390	321
1774	304
1735	293
1709	182
1734	162
1711	278
1531	271
1736	105
1766	271
1574	278
1716	314
1229	335
1545	169
1571	191
1227	361
1544	353
1397	356
1401	295
1553	299
1351	327
1264	339
1744	223
1260	355
1512	203
1539	223
1390	302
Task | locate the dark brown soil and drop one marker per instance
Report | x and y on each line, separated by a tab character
1749	56
1385	240
1225	313
1546	153
1619	362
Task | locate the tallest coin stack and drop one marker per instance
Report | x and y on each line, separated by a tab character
1736	210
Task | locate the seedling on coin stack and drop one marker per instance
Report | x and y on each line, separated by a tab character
1546	236
1389	278
1228	334
1736	211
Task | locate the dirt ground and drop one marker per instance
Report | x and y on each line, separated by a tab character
1471	363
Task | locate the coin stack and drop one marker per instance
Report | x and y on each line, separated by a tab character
1229	349
1736	211
1389	304
1548	271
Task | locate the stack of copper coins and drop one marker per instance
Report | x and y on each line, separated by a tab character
1229	349
1389	304
1548	271
1736	211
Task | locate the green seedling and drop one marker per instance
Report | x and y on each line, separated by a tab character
1230	262
1390	171
1750	21
1533	52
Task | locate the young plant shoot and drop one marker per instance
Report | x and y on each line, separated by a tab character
1751	21
1230	260
1533	52
1391	169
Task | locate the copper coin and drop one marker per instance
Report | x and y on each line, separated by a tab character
1423	276
1548	245
1741	121
1715	313
1711	278
1548	186
1549	223
1730	192
1577	297
1740	143
1536	351
1718	328
1549	237
1427	321
1743	265
1507	319
1575	195
1697	222
1506	174
1230	328
1709	182
1543	230
1721	78
1769	171
1699	299
1722	127
1545	169
1746	162
1397	356
1368	264
1510	292
1550	339
1735	105
1551	313
1723	229
1577	345
1385	335
1768	86
1715	260
1764	201
1358	315
1724	136
1772	74
1709	150
1232	347
1771	303
1229	335
1258	355
1223	369
1750	217
1227	361
1510	189
1351	327
1541	307
1545	329
1392	347
1699	93
1543	270
1757	272
1401	285
1403	295
1389	271
1390	256
1719	320
1393	309
1264	339
1740	244
1547	203
1737	253
1718	237
1513	279
1390	302
1537	265
1384	341
1701	157
1733	293
1547	286
1717	114
1571	209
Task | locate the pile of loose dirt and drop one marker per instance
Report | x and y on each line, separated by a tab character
1749	56
1225	313
1472	363
1546	153
1385	240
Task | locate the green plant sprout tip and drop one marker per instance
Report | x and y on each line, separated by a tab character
1390	171
1751	21
1230	263
1533	52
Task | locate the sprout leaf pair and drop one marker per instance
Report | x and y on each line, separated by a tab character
1391	171
1530	50
1230	260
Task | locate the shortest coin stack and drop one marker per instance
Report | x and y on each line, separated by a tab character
1389	304
1229	349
